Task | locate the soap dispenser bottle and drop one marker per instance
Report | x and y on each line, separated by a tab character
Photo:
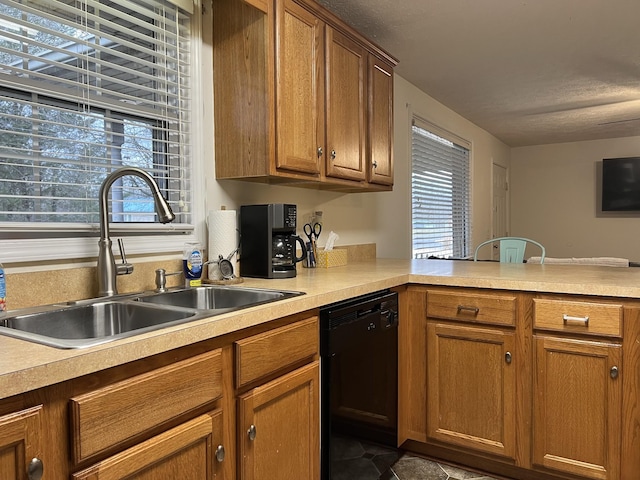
192	264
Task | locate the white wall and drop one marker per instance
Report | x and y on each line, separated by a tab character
383	218
553	199
393	209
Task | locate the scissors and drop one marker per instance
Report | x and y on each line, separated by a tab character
313	232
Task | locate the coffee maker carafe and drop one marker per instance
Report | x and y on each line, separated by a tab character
268	241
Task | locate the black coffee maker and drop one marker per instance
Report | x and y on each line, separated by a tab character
268	241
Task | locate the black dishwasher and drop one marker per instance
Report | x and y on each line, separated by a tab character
359	365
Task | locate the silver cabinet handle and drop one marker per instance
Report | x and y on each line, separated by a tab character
333	154
319	152
220	453
35	469
507	358
252	432
583	320
474	310
614	372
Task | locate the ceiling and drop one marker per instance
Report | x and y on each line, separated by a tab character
529	72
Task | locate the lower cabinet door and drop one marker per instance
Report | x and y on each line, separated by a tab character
471	388
190	451
20	444
577	407
279	428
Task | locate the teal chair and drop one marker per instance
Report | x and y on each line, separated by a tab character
511	249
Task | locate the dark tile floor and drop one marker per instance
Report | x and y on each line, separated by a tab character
354	459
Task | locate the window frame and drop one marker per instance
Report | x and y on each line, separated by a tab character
64	242
422	123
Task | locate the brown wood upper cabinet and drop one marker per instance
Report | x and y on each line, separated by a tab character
310	104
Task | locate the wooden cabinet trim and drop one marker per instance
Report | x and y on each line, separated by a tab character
630	452
107	416
267	353
262	5
412	365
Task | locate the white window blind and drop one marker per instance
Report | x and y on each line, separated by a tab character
440	193
88	86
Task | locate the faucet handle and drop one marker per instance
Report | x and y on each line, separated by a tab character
124	268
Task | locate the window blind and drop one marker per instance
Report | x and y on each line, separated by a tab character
88	86
440	193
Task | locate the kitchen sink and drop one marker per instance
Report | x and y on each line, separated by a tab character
92	324
88	323
217	297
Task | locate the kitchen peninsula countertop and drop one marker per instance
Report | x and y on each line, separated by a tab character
26	366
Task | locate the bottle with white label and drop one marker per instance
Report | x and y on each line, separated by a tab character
192	264
3	292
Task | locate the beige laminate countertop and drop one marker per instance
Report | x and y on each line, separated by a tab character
26	366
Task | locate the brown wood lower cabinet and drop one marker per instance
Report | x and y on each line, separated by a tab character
566	407
278	428
471	388
175	415
577	407
187	451
20	442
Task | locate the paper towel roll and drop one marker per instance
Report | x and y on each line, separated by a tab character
223	239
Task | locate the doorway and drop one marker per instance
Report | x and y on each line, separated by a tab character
499	208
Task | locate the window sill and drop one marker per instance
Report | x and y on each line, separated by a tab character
52	249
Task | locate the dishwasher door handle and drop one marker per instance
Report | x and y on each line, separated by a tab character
348	335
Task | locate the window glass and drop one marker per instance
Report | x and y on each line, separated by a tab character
88	86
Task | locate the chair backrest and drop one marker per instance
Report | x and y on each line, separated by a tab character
511	249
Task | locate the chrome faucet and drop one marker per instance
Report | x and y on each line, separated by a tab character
107	269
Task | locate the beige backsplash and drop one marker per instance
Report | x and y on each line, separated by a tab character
62	285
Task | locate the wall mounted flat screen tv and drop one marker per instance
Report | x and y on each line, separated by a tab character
621	184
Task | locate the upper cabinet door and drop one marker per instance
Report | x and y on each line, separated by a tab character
346	107
380	122
299	88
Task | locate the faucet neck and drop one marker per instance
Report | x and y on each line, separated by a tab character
107	270
106	186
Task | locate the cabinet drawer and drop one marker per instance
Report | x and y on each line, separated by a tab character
187	449
578	317
105	417
472	307
269	352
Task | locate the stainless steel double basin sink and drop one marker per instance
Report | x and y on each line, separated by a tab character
92	322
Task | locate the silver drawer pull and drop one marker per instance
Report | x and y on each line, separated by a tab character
583	320
613	372
468	308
